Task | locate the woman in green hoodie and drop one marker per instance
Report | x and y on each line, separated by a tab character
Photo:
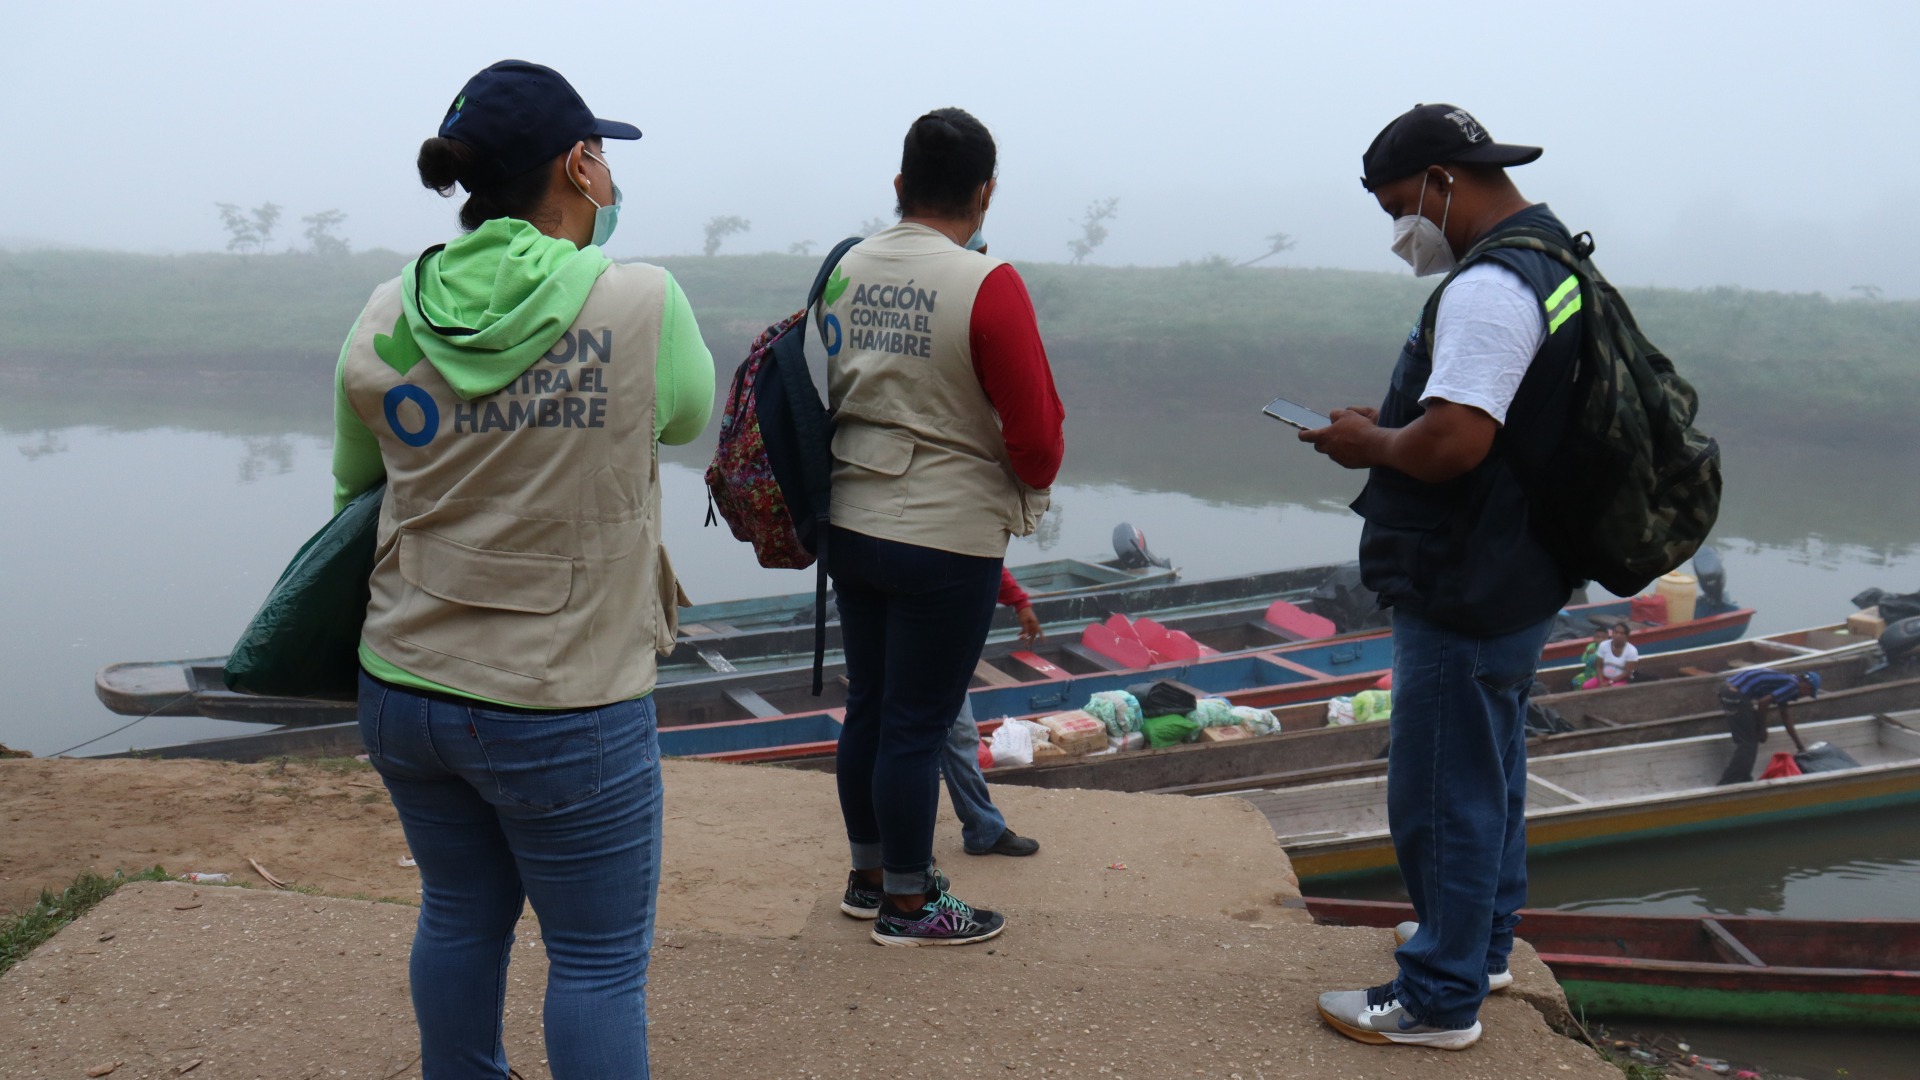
510	387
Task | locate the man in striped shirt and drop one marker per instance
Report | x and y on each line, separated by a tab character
1747	695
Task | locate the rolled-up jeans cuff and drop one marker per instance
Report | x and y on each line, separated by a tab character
865	856
904	884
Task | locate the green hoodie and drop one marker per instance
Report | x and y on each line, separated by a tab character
520	289
515	285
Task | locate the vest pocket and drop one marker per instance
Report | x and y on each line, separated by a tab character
879	461
491	608
672	598
1033	503
1406	536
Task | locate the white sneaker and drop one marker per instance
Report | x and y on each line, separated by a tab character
1376	1016
1496	980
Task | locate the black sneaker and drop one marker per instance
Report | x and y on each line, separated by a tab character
862	901
943	920
1011	843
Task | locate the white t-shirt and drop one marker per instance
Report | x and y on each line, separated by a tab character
1613	667
1485	334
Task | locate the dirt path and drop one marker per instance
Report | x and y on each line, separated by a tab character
747	849
1181	964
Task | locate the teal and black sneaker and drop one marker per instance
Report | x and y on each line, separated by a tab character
943	920
862	901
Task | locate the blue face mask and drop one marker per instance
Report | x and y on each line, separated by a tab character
605	218
976	242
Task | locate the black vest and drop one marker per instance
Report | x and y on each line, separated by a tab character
1463	553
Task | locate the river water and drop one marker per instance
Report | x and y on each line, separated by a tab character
154	533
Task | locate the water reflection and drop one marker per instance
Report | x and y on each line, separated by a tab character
49	442
266	455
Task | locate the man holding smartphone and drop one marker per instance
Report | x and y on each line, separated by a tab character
1483	384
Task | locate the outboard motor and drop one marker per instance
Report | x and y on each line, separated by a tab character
1711	573
1900	644
1130	549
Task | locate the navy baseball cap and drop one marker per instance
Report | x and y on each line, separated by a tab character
518	116
1434	135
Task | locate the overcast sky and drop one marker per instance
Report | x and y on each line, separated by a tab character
1763	144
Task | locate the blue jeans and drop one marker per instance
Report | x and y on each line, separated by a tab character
1456	805
912	622
505	805
981	822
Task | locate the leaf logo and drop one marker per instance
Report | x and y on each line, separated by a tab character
836	286
400	351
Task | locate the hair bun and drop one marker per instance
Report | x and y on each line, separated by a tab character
444	162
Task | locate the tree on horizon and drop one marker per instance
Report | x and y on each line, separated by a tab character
321	238
1093	228
719	228
248	228
1276	244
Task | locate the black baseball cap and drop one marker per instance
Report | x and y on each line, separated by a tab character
1434	135
519	116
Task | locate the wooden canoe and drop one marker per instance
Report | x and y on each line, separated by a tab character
1254	666
767	646
1727	968
1308	751
1615	795
749	725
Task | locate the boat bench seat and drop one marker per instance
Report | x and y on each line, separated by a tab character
756	706
993	676
1104	663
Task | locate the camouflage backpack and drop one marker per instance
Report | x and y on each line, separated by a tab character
1634	488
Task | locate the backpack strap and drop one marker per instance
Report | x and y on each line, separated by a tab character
1526	238
826	268
822	496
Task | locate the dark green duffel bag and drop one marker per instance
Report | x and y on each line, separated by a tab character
305	640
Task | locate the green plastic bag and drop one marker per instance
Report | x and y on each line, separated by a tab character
304	641
1169	730
1372	705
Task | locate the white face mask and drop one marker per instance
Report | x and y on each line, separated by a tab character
1422	243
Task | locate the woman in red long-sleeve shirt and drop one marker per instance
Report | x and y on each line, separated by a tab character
947	437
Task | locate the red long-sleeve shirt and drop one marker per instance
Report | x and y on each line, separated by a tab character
1011	363
1011	594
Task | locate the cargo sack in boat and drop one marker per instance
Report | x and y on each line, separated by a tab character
773	468
1780	766
1545	720
1824	757
1118	711
1161	697
1370	706
1258	721
1634	488
1169	730
304	642
1212	712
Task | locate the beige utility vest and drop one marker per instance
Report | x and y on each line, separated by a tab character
519	549
918	456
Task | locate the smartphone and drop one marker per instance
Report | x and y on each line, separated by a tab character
1299	416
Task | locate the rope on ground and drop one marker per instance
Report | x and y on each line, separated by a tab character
122	727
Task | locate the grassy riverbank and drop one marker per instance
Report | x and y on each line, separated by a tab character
1190	339
27	930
